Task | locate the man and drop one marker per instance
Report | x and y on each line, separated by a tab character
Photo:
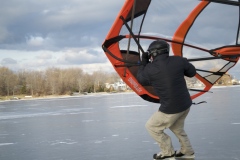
166	75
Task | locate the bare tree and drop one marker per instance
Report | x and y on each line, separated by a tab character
35	82
99	80
8	81
52	80
21	87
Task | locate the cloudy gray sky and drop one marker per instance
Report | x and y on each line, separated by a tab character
58	33
38	34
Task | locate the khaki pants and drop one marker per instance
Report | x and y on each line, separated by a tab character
175	122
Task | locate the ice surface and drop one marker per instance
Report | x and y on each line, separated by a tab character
112	127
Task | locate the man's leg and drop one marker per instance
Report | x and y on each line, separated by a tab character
178	129
155	126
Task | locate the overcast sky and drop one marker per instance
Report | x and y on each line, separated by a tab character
38	34
58	33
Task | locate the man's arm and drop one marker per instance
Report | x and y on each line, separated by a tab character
142	75
189	69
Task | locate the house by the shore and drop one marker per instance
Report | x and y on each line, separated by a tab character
120	85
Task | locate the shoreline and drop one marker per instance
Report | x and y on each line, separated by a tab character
28	97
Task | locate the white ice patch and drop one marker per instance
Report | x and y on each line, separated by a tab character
5	144
87	121
57	113
97	142
33	105
235	123
130	106
76	110
115	135
63	143
67	141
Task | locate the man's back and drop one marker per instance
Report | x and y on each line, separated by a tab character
166	75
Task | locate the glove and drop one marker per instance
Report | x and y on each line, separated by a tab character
145	58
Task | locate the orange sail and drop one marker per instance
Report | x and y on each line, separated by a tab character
205	32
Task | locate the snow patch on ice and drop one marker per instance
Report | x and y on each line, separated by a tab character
115	135
129	106
235	123
56	113
97	142
5	144
87	121
67	141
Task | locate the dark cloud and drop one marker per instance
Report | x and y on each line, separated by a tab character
64	23
85	23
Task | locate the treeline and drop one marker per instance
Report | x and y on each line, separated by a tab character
52	81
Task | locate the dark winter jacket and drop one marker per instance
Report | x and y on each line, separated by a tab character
166	75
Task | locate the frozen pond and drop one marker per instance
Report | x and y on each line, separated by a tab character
111	127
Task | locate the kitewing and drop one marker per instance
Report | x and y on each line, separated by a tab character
205	32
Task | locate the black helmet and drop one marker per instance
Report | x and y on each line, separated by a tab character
158	47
